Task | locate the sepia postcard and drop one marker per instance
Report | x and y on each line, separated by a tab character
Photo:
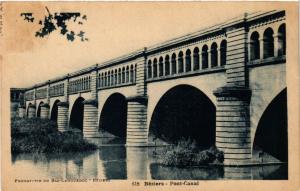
149	95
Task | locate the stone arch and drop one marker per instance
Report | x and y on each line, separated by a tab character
254	46
161	67
223	50
154	68
188	61
54	111
196	64
167	65
204	56
38	111
173	64
76	115
268	43
281	40
271	135
180	62
184	111
149	69
113	116
214	54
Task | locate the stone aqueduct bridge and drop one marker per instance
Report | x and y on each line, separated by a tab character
234	71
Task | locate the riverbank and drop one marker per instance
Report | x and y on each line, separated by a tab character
41	136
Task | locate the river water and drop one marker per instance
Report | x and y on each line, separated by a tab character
119	162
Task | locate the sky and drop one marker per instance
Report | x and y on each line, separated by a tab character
113	29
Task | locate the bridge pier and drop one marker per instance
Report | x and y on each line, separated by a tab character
22	111
233	135
90	125
45	111
62	116
137	131
31	111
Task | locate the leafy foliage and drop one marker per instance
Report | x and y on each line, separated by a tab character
185	153
41	136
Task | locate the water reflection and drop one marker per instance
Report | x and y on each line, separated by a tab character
119	162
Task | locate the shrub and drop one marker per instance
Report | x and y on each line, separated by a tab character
41	136
186	153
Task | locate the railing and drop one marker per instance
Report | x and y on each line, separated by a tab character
29	95
56	90
117	79
80	85
41	93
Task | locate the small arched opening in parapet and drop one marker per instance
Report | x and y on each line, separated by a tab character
214	55
196	65
76	117
268	43
161	67
119	76
223	51
149	69
113	117
127	74
180	62
254	46
131	74
204	56
183	112
188	64
54	111
167	65
38	112
271	136
281	40
174	65
154	68
123	75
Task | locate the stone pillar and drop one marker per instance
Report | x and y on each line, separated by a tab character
261	47
90	119
233	135
276	45
31	111
219	56
90	112
62	116
22	111
45	111
137	131
208	59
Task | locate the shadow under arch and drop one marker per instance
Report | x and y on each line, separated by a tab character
76	117
27	111
113	117
271	134
184	112
38	113
54	111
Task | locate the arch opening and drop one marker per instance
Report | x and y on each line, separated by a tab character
271	134
184	112
76	118
281	40
113	118
268	43
54	111
254	46
38	113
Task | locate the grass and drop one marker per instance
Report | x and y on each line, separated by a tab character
41	136
186	153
